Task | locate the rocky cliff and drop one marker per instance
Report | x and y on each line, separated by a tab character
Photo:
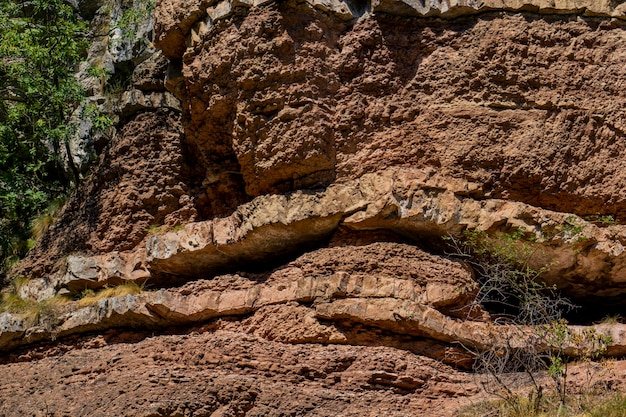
279	183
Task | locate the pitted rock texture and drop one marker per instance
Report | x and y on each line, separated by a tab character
530	107
430	290
580	257
182	23
225	373
369	291
435	320
215	371
141	180
285	97
328	146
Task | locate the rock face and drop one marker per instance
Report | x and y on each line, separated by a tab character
142	179
302	99
227	373
120	36
283	174
139	175
577	256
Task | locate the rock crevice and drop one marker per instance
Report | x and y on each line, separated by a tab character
582	257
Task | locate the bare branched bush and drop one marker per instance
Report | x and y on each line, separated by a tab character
528	314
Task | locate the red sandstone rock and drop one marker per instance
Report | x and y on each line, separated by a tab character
223	373
305	124
141	180
518	104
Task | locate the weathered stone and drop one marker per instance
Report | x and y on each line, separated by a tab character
140	183
324	141
580	256
98	271
339	297
406	317
12	328
131	42
150	74
227	373
174	24
135	101
403	201
41	288
482	98
221	10
340	8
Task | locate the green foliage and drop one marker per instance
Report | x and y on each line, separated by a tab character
156	229
98	72
512	248
46	218
100	122
40	43
509	286
573	229
614	406
515	293
86	293
178	228
604	220
132	17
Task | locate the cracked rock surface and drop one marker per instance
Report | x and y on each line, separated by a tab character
283	205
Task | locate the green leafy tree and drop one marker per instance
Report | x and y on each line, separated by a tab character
41	41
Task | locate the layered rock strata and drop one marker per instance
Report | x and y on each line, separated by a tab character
518	103
580	257
226	372
390	286
298	197
141	179
337	295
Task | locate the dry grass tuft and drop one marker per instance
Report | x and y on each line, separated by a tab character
604	404
30	310
611	319
90	297
42	223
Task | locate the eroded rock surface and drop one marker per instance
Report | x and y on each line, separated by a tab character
370	293
226	373
579	256
515	102
285	172
219	370
142	179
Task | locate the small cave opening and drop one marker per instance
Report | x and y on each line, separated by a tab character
508	287
359	7
597	310
253	267
120	80
518	299
259	266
